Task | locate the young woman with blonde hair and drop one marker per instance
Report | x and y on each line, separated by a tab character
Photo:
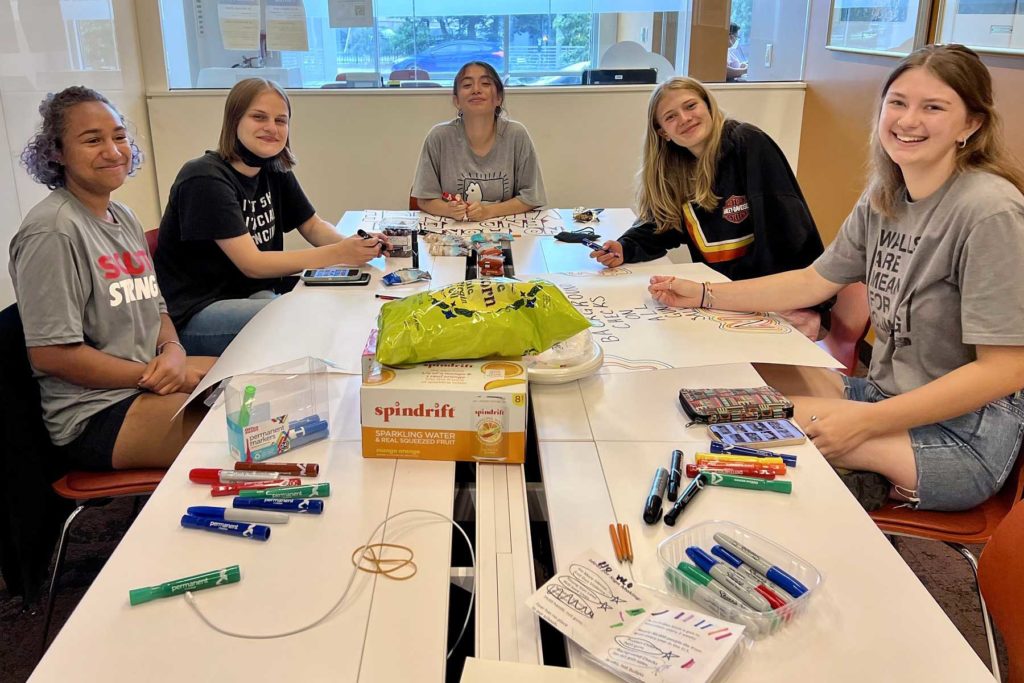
938	236
721	187
220	257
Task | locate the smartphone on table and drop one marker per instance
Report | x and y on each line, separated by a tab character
757	433
335	276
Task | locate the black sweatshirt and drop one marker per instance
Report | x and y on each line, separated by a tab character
761	225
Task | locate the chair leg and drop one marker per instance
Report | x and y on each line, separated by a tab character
986	620
62	548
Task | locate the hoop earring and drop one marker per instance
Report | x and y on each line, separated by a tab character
961	143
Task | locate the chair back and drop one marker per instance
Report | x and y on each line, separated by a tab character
152	239
30	512
999	571
408	75
851	319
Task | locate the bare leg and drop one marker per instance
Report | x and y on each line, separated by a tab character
152	436
818	390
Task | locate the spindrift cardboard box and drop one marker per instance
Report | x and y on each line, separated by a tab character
445	410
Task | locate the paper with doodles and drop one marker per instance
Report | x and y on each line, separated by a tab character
638	333
535	222
596	605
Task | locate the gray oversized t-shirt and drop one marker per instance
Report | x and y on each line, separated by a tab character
80	279
945	274
510	169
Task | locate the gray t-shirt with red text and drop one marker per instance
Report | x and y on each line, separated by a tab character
945	274
79	279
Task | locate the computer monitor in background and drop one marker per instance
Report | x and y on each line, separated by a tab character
619	76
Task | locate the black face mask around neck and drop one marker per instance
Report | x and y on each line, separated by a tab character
250	159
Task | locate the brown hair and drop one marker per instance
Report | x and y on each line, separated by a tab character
237	103
962	70
671	176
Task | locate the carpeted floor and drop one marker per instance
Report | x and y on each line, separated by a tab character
942	571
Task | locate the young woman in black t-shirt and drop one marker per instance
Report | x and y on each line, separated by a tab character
220	257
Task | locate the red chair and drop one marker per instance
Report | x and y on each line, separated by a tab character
999	570
152	238
93	489
400	75
960	529
851	319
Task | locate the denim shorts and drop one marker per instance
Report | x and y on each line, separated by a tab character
963	461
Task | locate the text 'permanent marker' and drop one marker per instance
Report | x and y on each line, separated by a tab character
307	491
312	506
196	582
256	532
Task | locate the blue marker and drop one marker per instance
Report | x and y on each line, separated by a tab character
307	429
256	532
309	419
762	566
719	447
739	585
311	506
593	245
737	564
232	515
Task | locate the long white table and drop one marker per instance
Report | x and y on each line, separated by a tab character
600	440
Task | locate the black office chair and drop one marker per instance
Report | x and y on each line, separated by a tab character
619	76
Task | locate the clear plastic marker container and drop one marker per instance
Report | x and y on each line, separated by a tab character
672	551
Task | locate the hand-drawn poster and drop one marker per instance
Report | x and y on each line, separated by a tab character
596	606
637	333
536	222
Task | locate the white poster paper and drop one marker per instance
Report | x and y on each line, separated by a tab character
536	222
330	323
637	333
350	13
286	25
597	607
239	22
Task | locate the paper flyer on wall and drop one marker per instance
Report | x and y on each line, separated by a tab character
239	22
596	606
286	25
633	328
350	13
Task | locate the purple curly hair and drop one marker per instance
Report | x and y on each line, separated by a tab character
41	154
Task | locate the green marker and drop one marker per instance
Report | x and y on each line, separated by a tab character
737	481
308	491
211	579
247	399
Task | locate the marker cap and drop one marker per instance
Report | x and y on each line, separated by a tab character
694	574
701	558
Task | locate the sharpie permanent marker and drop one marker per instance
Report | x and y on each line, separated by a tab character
740	586
233	515
652	508
675	474
719	447
724	555
695	590
196	582
761	565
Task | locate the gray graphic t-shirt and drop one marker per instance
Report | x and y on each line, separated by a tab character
510	169
80	279
943	275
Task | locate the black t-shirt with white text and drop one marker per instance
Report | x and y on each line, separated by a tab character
209	201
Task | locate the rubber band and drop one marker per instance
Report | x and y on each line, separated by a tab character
377	563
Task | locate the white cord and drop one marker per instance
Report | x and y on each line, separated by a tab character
191	599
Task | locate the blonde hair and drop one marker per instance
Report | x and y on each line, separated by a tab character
962	70
671	176
237	103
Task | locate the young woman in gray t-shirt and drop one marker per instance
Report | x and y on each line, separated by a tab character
112	374
939	238
482	164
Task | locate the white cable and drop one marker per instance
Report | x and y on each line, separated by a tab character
191	599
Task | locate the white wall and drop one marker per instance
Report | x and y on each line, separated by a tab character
34	61
358	150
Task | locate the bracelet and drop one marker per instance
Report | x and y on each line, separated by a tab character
160	347
711	296
703	293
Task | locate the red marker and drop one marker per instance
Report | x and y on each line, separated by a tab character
692	470
209	475
448	197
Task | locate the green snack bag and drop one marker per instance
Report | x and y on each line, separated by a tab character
476	319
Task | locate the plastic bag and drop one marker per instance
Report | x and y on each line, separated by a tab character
476	319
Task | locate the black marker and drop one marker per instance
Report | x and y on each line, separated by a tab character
696	485
652	508
367	236
675	474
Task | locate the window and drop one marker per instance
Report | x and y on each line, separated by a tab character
989	25
359	43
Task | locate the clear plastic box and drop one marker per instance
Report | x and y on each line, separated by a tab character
759	625
287	409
